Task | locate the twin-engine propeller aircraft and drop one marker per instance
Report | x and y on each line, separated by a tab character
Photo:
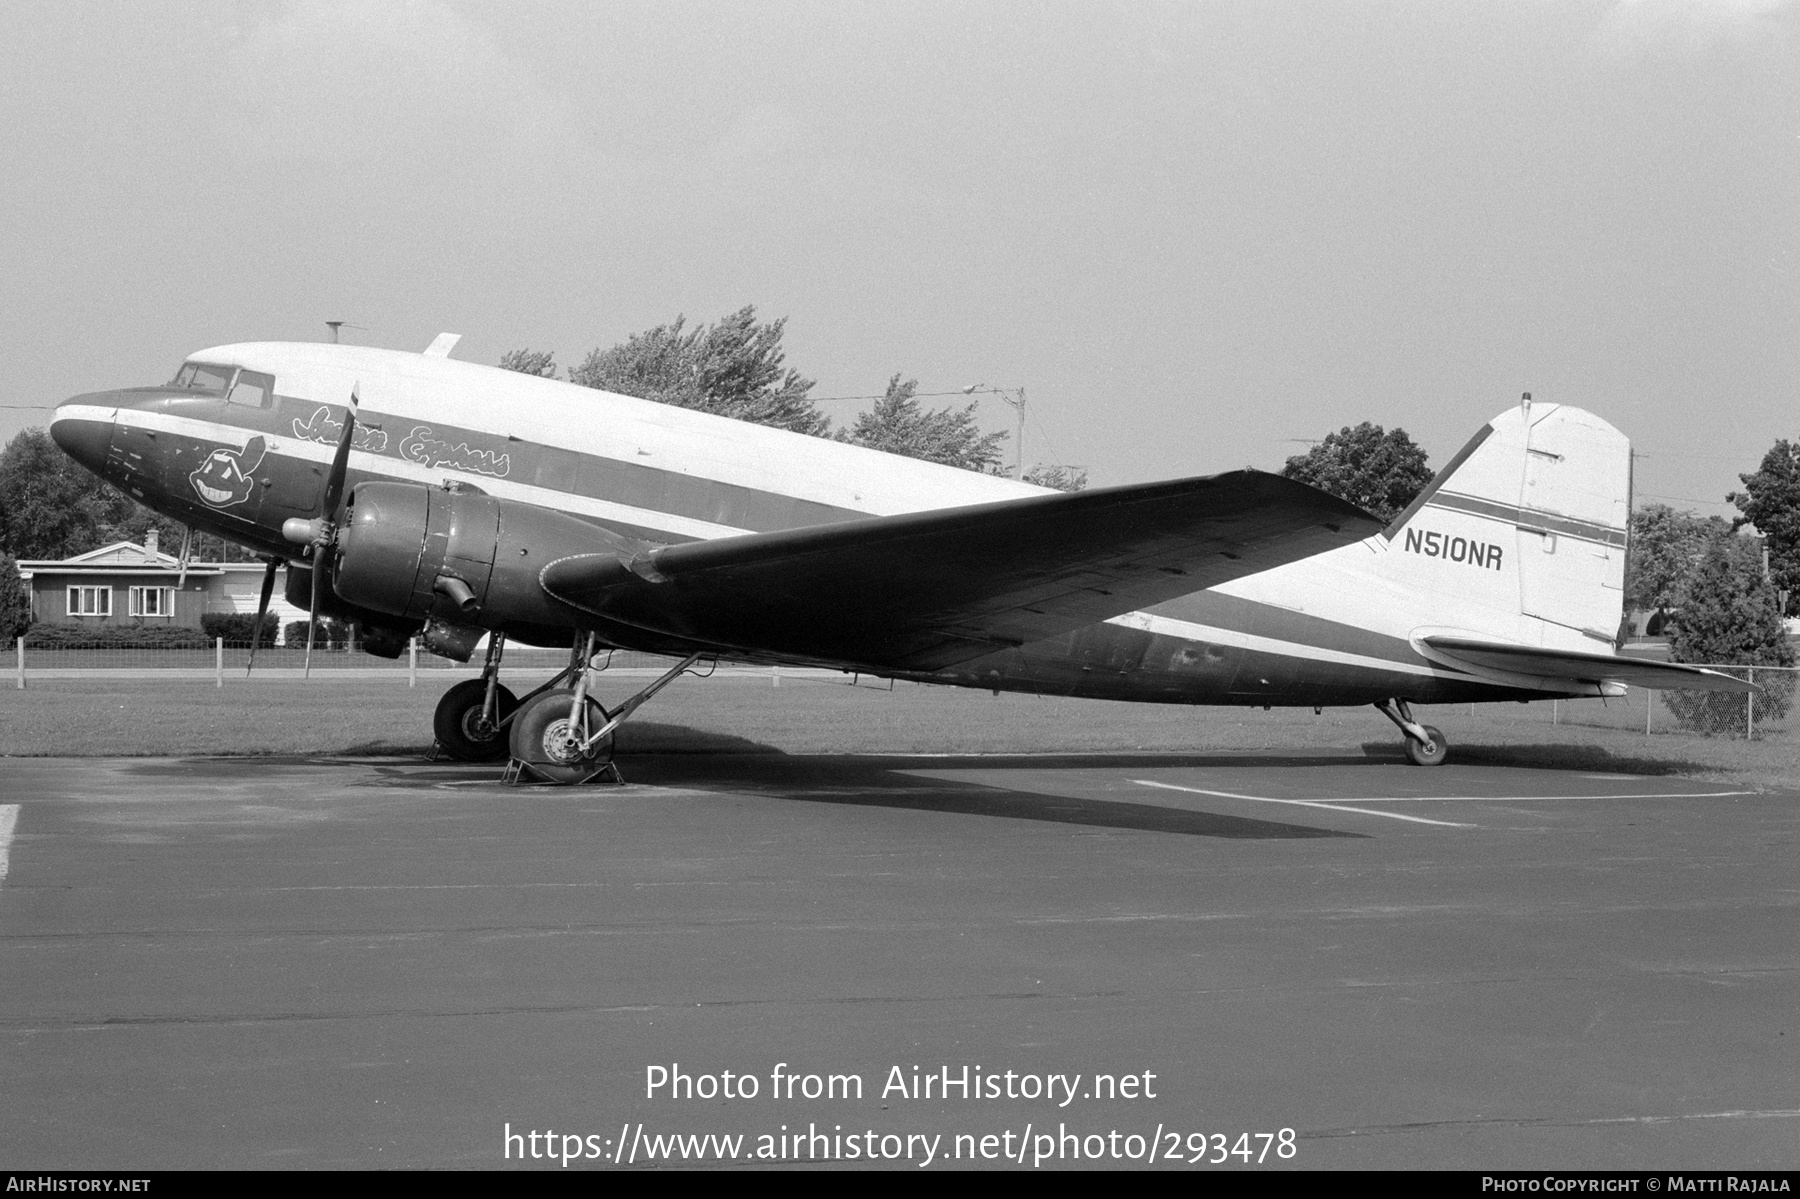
420	496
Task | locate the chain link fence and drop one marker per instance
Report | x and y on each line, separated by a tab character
1756	715
1710	713
223	661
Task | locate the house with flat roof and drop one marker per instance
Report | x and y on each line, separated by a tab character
125	584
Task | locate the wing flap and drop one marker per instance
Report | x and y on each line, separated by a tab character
928	589
1575	666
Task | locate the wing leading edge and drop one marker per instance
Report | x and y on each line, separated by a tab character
925	590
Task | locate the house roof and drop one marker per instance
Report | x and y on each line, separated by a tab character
126	558
119	553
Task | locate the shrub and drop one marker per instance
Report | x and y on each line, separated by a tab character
331	634
239	627
157	636
15	600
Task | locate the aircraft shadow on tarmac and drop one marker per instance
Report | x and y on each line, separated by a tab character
893	782
676	756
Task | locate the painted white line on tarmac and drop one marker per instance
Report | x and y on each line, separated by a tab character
1302	803
1529	798
9	817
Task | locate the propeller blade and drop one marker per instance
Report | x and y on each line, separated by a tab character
340	462
262	611
312	618
187	542
325	539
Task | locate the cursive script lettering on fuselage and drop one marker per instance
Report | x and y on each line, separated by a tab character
420	446
323	427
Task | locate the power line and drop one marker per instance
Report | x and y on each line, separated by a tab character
883	396
1705	457
1684	499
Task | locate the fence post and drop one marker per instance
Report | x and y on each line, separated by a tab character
21	663
1750	706
1555	711
412	662
218	661
1649	707
774	676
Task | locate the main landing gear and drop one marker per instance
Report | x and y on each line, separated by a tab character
566	737
555	734
474	718
1425	745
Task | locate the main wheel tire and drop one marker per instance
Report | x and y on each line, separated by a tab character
462	729
1428	755
542	739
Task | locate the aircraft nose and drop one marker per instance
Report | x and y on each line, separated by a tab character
83	427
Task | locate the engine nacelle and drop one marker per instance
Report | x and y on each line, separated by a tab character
460	558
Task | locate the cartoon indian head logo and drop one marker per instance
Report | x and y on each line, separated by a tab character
224	478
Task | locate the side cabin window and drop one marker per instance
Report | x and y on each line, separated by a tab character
252	389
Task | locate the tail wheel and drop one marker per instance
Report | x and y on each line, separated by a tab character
462	726
543	738
1431	753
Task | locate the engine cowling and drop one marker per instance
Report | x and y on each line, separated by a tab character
460	558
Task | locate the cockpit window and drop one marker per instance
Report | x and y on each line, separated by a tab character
252	389
203	376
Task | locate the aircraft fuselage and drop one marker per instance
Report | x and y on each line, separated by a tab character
242	463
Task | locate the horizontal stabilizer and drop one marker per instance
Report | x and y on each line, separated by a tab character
1579	667
924	590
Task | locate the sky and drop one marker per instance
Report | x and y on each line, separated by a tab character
1199	235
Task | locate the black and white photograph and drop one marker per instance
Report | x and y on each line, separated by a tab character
1202	586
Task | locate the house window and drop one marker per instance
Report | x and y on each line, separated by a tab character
90	601
152	601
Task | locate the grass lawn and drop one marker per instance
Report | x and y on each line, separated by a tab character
134	717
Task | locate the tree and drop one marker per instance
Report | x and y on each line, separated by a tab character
1729	617
733	368
15	601
1376	470
541	363
1771	501
899	424
50	507
1728	614
1063	478
1666	548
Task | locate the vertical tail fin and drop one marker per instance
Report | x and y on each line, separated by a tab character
1522	535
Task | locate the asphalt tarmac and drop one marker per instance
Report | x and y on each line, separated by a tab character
391	963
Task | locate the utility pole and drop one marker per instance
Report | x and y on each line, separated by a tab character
1019	445
1014	396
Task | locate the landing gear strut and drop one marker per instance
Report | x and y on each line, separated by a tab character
566	736
474	718
1425	745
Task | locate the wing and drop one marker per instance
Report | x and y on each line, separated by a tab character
1580	667
928	589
